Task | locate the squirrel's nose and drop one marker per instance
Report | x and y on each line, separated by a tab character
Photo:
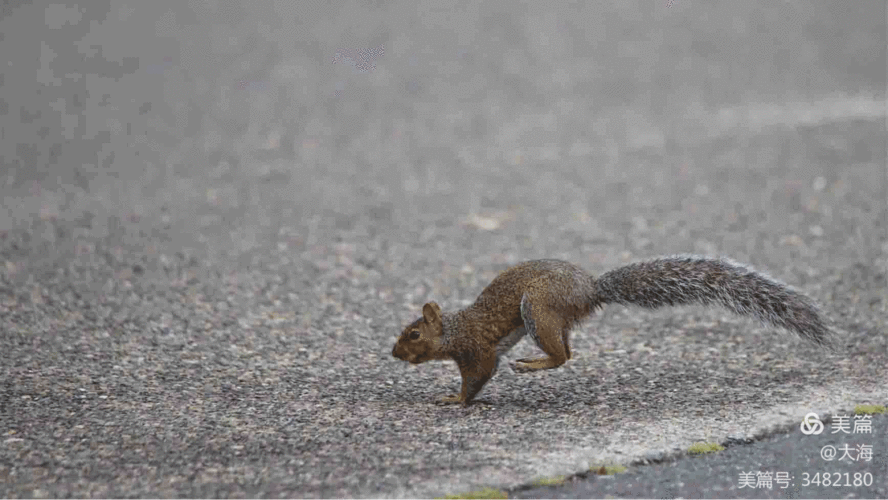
398	353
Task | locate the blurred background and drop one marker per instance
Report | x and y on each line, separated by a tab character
229	119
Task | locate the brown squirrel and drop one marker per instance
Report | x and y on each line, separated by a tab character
547	298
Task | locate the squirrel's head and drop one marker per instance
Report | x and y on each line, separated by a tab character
420	340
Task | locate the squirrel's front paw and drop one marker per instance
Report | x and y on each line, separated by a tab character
453	398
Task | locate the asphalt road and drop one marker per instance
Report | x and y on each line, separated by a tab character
787	464
211	236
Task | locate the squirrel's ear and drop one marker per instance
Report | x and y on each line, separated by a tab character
431	312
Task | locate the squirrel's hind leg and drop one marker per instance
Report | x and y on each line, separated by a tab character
548	329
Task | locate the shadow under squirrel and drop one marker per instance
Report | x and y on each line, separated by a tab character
547	298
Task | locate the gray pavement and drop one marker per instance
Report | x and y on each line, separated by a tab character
211	236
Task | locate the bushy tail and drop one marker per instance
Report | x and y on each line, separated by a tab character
685	279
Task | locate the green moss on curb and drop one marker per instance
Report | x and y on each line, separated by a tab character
549	481
485	493
608	470
700	448
868	409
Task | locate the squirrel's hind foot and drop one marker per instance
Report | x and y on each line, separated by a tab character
533	364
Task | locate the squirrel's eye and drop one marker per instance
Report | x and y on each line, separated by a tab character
414	335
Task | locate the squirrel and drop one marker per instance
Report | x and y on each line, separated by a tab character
547	298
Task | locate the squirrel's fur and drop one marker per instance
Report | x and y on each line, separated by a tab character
547	298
